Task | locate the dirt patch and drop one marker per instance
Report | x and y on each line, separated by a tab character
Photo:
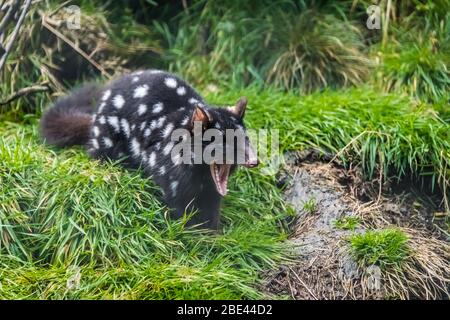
324	194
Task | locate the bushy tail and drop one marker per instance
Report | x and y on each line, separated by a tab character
69	120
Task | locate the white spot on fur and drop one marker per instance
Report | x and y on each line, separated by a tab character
193	101
152	159
95	143
114	122
170	82
118	101
125	127
147	132
96	131
181	91
158	107
135	79
167	130
168	148
135	147
102	120
100	108
162	170
176	159
158	146
141	91
217	125
143	124
181	109
153	124
161	121
142	109
107	142
106	95
185	121
155	71
173	187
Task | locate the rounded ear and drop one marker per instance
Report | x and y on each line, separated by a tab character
239	109
201	114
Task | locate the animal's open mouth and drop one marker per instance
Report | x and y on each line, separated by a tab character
220	173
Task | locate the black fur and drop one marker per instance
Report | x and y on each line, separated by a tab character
69	121
112	123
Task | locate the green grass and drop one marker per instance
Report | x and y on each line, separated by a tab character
240	43
419	69
347	223
384	248
329	53
310	206
58	209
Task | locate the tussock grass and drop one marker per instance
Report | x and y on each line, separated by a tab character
317	50
60	210
291	44
110	39
383	248
419	69
424	273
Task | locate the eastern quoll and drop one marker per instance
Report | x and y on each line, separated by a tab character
133	119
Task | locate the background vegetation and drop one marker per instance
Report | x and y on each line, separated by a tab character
74	228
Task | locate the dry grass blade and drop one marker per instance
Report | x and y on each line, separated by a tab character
14	33
25	91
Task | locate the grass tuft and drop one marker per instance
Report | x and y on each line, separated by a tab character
347	223
310	206
384	248
317	50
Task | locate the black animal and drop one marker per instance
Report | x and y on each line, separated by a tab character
134	118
